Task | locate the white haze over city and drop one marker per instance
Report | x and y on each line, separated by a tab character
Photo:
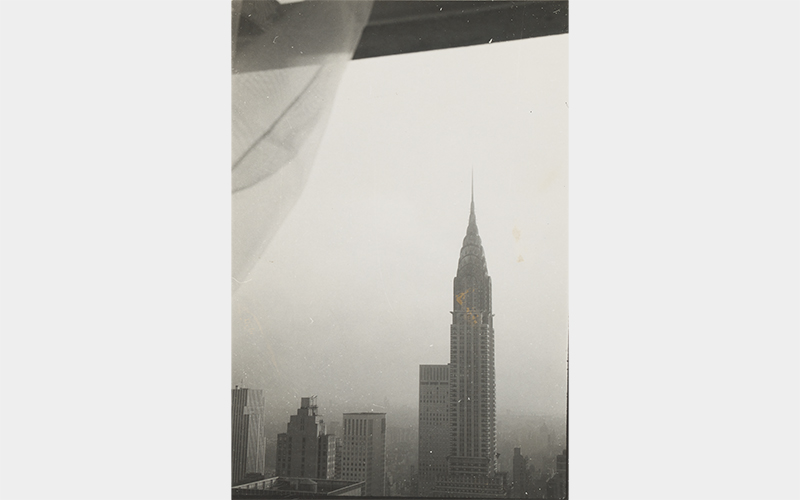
354	291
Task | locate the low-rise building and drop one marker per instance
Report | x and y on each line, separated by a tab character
298	487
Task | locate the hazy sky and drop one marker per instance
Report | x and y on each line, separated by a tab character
354	291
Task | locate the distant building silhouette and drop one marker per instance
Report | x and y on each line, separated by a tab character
364	451
557	485
519	475
305	450
434	425
524	482
248	437
472	448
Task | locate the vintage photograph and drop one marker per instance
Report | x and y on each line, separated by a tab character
529	249
399	245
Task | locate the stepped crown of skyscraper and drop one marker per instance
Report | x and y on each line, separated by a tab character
472	255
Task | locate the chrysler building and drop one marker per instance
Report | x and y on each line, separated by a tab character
468	468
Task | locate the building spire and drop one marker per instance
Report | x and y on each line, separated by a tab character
472	199
472	191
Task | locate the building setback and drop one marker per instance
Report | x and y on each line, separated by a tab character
364	451
305	450
248	437
434	425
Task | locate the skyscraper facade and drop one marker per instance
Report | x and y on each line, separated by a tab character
364	451
248	437
472	387
471	420
305	449
434	425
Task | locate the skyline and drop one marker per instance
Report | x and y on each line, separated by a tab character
725	103
356	283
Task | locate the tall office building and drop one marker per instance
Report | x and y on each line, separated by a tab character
472	390
472	450
305	449
248	438
364	451
521	475
434	425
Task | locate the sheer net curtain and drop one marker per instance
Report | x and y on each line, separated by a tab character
288	60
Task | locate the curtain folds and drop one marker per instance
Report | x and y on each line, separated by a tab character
287	63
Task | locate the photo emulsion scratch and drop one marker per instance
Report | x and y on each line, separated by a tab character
399	243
